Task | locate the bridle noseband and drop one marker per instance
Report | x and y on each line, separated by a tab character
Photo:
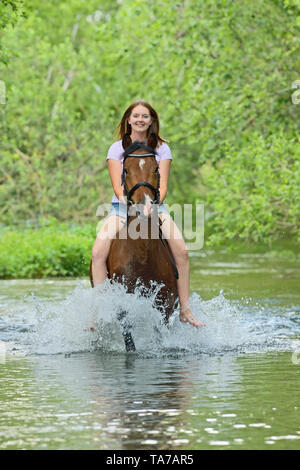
128	153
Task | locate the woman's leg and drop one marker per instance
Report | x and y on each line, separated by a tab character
101	247
180	253
100	252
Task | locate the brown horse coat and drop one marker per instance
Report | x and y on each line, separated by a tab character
146	260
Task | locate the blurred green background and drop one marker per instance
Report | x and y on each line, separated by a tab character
221	75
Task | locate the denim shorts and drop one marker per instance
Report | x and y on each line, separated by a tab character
120	209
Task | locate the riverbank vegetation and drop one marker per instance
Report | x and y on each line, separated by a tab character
58	249
222	76
53	249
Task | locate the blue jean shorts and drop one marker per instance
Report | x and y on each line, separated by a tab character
120	209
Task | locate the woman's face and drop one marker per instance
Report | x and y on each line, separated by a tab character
140	118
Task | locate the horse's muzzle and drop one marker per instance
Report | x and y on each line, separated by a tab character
142	211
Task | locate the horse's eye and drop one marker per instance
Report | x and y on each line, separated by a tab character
125	171
156	169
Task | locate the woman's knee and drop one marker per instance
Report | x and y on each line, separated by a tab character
104	237
99	250
110	228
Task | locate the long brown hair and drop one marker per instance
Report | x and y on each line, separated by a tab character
124	128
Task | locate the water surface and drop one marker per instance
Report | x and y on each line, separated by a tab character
231	385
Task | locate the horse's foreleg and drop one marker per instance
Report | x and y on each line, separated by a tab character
129	343
91	274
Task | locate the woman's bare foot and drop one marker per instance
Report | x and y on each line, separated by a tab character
186	316
90	328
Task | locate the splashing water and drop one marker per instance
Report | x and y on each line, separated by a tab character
64	326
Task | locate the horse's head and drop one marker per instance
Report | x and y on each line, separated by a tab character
141	176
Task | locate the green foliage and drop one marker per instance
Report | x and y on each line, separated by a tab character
10	12
52	250
219	74
263	189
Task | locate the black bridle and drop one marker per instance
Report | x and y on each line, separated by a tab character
128	153
151	153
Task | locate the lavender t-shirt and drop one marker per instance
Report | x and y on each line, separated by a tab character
116	150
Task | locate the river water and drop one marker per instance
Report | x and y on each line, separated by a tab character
233	384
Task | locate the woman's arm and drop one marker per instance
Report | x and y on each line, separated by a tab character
115	173
164	170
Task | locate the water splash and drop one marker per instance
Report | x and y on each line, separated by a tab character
62	326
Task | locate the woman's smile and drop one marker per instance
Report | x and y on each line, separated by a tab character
139	112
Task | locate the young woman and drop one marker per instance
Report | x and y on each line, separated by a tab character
140	122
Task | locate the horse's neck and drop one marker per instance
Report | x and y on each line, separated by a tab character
148	230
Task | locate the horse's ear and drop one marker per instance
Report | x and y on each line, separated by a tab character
132	147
